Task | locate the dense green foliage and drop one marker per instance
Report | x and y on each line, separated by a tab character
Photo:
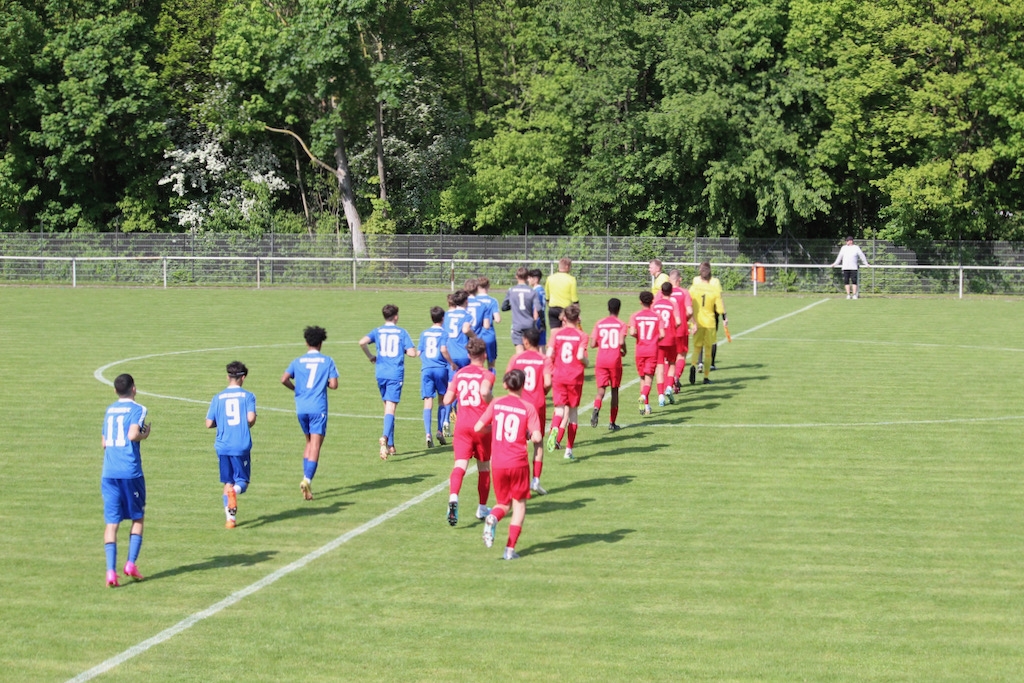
667	117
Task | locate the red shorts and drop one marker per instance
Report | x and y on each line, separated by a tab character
608	377
511	483
469	445
682	342
566	394
645	365
542	415
666	354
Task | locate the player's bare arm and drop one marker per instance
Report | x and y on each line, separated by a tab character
364	344
286	380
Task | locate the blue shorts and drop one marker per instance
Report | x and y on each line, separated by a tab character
434	382
390	389
123	499
492	344
235	469
313	423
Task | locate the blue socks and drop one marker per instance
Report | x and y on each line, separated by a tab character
111	549
389	428
426	419
134	546
309	469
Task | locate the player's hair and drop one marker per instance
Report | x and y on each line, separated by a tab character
704	271
482	282
514	380
471	285
315	336
532	335
571	313
236	369
646	298
522	273
674	275
565	263
849	238
656	262
459	297
476	347
614	306
535	272
666	288
389	311
436	314
451	299
123	384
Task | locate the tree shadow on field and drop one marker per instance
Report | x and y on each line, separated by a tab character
545	506
574	540
375	485
624	450
594	483
218	562
294	513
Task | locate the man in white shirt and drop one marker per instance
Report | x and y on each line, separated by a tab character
849	256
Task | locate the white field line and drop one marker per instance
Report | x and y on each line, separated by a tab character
235	597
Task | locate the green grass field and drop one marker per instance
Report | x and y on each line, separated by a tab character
842	504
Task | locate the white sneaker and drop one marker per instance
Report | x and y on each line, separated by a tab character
537	488
510	554
482	511
848	296
700	367
568	454
856	296
647	410
489	525
661	400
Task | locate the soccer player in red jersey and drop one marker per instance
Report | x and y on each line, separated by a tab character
513	422
685	301
567	349
537	369
609	338
471	385
646	326
668	310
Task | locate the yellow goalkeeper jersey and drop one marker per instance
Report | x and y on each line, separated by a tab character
707	300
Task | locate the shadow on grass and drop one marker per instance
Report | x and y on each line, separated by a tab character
375	485
574	540
594	483
308	510
219	562
544	506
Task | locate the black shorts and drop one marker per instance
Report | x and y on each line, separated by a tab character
849	277
555	317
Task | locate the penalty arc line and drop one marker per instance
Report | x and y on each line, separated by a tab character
273	577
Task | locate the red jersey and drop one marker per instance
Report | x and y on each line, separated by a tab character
468	383
512	421
646	326
667	310
567	348
534	365
610	335
685	301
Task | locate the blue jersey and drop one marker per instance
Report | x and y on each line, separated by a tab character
430	349
542	302
490	306
456	340
392	342
230	410
122	458
310	374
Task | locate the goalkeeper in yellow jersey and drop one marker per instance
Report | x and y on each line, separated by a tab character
707	303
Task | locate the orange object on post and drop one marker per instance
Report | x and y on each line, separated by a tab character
757	273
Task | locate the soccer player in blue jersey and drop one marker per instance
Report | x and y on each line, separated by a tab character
493	316
310	376
393	345
433	374
533	279
123	484
458	325
233	412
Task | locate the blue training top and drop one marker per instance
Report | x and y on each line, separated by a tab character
430	349
230	410
122	459
310	374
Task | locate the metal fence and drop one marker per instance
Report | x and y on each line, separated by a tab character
609	263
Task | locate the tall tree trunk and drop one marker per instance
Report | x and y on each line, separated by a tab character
476	50
379	136
302	188
348	197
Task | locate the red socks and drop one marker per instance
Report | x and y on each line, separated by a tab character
455	482
513	535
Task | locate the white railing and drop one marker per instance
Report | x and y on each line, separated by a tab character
264	271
